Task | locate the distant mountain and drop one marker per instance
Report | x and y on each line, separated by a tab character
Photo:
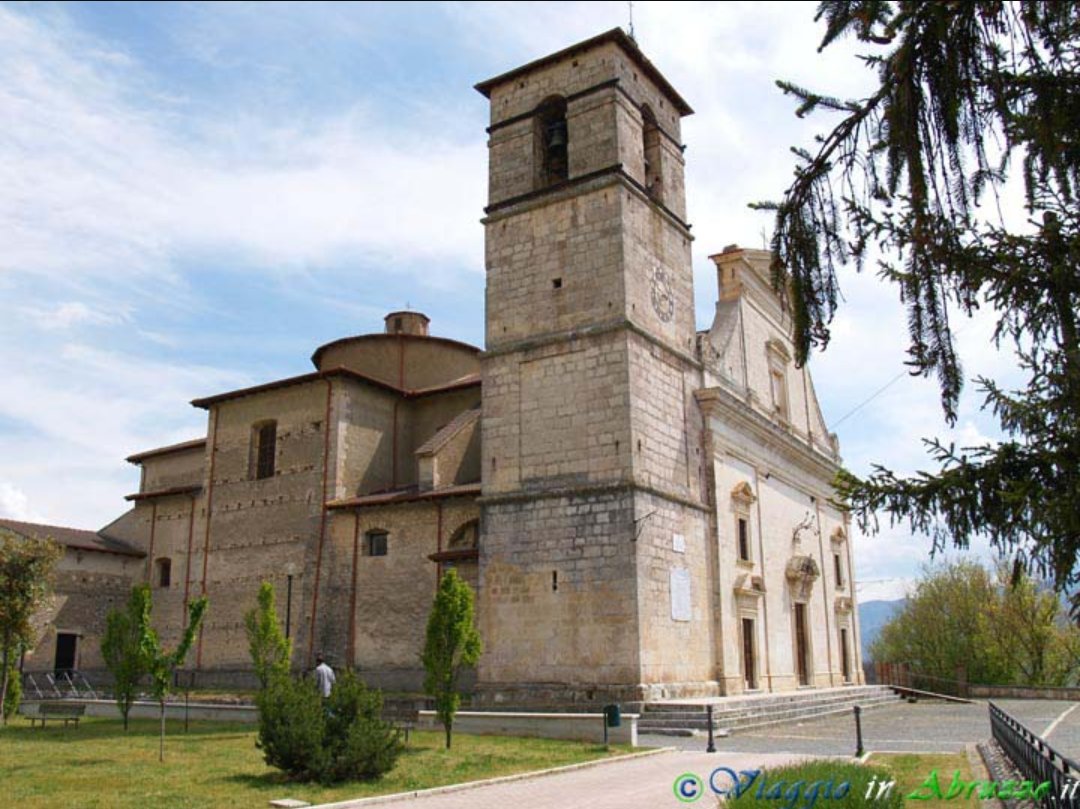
873	615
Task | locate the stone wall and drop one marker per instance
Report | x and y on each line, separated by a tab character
558	608
87	586
553	267
384	601
181	468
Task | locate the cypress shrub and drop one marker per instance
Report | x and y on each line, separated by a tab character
342	738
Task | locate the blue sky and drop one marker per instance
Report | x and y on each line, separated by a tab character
195	196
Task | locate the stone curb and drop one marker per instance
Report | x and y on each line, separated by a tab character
354	803
981	772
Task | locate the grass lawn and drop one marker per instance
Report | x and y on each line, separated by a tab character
815	783
911	769
793	785
216	764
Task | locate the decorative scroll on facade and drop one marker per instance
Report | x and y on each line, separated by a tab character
802	572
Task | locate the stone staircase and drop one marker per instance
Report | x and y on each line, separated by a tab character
732	714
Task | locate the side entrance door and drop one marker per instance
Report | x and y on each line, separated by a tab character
66	645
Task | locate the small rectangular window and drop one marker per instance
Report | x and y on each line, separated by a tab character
164	572
744	539
838	567
376	543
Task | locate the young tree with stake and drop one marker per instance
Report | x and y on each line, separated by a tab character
270	650
160	663
452	644
122	651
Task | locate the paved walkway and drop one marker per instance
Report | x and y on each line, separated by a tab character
639	782
925	727
1058	722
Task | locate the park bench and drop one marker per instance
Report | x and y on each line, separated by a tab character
402	715
57	712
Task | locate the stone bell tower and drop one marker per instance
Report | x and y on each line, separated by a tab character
593	550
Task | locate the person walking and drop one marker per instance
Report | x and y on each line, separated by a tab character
324	676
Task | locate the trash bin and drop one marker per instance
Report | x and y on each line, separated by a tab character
612	716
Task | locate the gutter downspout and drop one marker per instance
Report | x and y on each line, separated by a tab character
351	641
206	540
322	525
764	599
187	564
824	588
438	541
153	531
397	401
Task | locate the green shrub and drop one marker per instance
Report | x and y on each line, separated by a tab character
342	738
814	783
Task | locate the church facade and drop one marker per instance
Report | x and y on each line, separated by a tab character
643	508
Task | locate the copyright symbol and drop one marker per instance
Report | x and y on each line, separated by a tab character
688	787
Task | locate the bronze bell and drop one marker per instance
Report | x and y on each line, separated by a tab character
557	136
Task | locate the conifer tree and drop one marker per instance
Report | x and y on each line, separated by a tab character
972	98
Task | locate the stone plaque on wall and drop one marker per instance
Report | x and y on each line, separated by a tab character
680	594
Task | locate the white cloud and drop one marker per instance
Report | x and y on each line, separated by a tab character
64	316
889	589
99	185
14	503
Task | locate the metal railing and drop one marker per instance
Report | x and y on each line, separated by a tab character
58	685
1036	759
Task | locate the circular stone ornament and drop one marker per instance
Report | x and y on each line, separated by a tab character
663	298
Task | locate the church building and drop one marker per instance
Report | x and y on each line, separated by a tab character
643	508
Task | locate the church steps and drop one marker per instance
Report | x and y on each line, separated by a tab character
700	719
758	711
850	694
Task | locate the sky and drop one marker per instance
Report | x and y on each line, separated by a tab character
193	197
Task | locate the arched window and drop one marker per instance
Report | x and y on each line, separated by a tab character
163	572
650	136
464	537
263	449
552	141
